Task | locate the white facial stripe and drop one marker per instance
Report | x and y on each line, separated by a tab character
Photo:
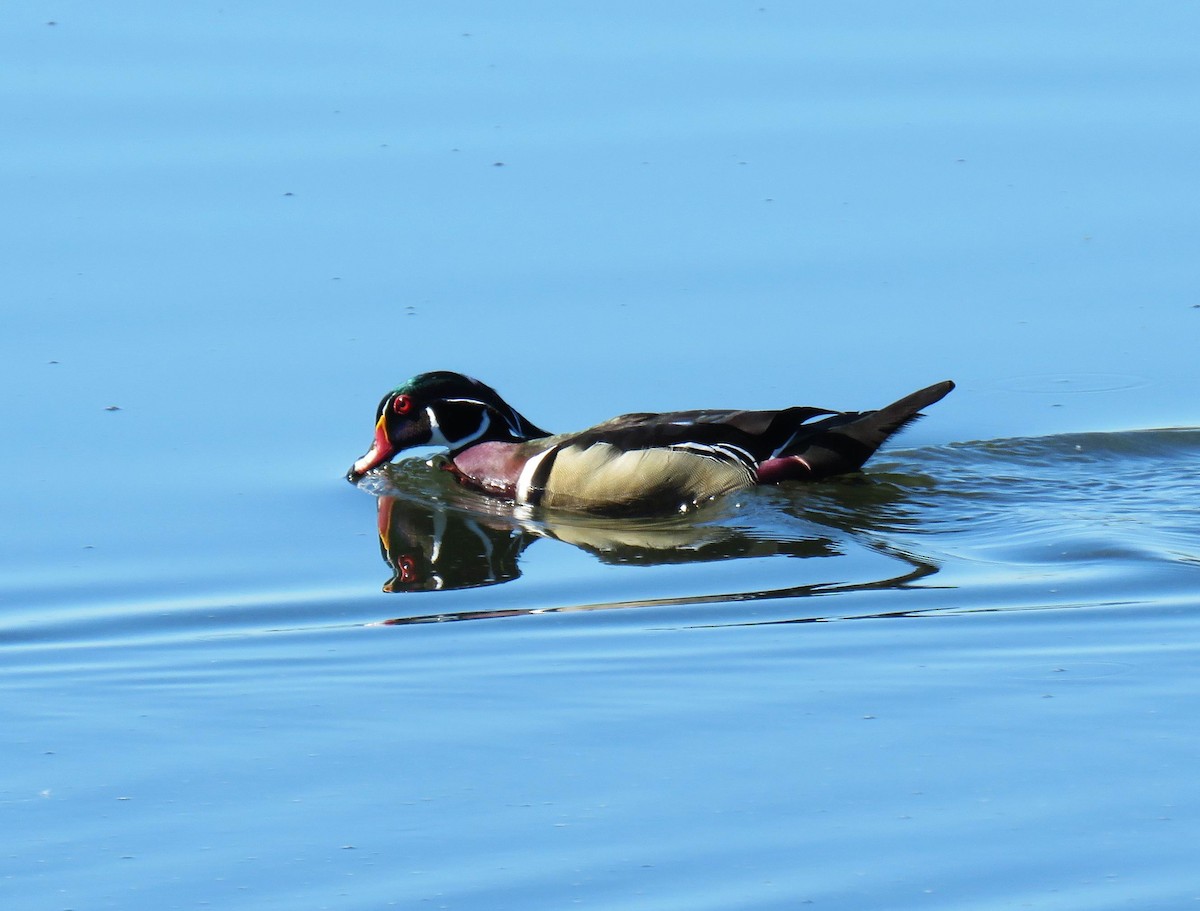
514	424
471	438
439	532
436	437
525	480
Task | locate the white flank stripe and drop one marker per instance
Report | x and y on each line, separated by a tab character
525	479
703	449
738	452
722	452
804	425
785	444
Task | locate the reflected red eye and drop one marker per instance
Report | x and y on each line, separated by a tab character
402	404
406	569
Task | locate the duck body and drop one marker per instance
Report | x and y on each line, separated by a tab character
633	464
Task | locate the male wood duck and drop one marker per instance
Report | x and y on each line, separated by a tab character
633	464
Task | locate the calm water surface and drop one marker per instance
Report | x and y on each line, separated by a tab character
962	680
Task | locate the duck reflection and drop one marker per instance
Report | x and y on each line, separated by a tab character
436	546
437	537
432	546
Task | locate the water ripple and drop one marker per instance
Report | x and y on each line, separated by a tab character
1060	521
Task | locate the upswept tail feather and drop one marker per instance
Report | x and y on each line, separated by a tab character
844	442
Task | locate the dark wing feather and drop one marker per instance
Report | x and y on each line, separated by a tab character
827	442
757	432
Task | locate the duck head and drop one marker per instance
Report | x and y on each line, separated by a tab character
441	409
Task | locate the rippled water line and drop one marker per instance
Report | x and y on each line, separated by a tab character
215	615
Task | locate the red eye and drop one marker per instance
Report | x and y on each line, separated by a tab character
406	569
402	404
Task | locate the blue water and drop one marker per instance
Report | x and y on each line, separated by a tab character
962	680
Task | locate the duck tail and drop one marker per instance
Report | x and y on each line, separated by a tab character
844	442
898	415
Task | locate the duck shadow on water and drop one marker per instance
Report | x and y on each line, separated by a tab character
436	536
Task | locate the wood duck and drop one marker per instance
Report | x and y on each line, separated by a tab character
633	464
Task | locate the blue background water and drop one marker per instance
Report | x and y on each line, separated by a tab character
241	225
